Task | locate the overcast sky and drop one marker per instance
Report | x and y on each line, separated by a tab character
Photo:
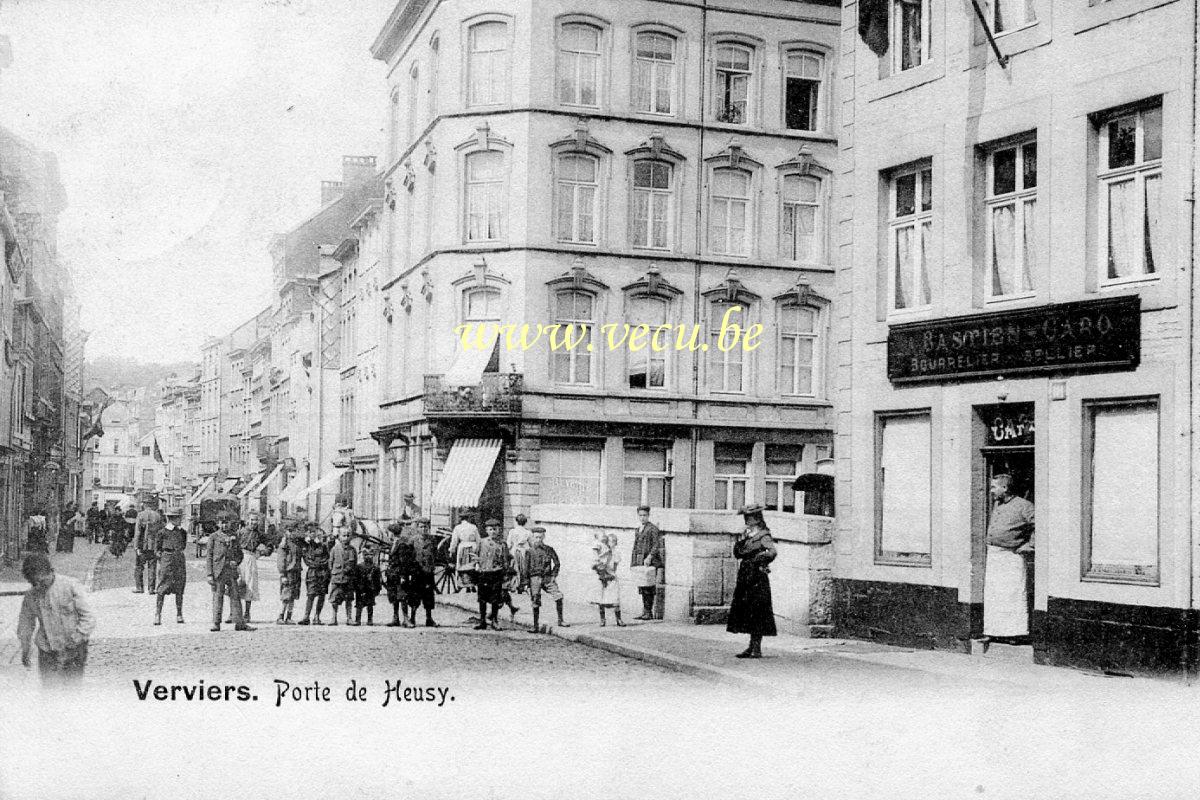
188	133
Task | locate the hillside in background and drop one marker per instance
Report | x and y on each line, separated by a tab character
112	373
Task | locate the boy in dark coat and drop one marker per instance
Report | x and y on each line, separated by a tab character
316	579
290	559
401	568
368	581
342	563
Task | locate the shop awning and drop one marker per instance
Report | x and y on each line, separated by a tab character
466	472
288	495
199	495
228	485
326	480
468	367
252	485
267	480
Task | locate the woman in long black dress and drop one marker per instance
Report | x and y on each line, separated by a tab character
750	611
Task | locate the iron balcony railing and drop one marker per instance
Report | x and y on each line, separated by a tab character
496	394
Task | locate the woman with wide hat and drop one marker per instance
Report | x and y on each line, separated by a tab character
750	611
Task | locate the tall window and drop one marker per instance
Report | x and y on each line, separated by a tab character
904	493
802	90
1008	15
652	204
1130	188
800	230
579	64
726	370
577	183
647	474
570	473
487	68
481	310
1011	220
577	310
783	467
485	196
799	350
732	473
414	83
434	52
647	368
729	212
910	40
394	126
910	234
733	83
654	73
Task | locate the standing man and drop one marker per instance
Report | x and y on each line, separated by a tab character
250	539
145	530
95	523
411	510
36	531
538	568
1009	538
464	541
170	552
647	552
58	608
494	563
224	557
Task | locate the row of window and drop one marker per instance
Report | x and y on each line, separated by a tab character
798	352
1120	489
1128	189
733	220
582	79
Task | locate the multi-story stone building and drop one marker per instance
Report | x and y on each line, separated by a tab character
117	452
615	162
1016	296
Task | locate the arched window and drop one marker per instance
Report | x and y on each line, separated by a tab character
575	311
654	73
579	64
434	52
414	83
487	66
484	193
729	212
801	229
577	182
481	311
647	368
803	90
735	68
799	350
652	204
726	370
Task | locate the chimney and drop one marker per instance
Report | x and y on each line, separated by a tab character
330	190
357	170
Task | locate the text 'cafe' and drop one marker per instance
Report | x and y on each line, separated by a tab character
1085	406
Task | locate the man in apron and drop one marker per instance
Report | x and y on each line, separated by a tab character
1009	538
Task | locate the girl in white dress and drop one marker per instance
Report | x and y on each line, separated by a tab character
606	566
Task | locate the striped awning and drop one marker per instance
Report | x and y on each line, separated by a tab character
262	487
199	495
288	495
466	472
252	485
326	480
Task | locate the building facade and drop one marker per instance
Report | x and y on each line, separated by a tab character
1016	297
620	162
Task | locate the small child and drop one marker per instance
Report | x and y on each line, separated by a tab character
606	564
368	581
316	579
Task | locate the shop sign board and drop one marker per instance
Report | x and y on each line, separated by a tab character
1088	335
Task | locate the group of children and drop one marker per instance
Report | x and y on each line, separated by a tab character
330	566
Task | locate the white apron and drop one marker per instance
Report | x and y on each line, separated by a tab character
248	574
1005	612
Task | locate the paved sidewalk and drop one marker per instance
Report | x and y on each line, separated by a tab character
798	665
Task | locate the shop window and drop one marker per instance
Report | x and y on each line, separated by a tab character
647	367
903	489
647	474
1122	491
910	235
577	311
1129	179
732	473
652	204
1011	218
733	78
579	64
910	35
571	473
654	73
784	465
803	90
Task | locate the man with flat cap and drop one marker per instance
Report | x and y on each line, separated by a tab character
537	568
224	557
169	552
647	560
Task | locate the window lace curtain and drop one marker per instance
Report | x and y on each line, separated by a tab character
1122	230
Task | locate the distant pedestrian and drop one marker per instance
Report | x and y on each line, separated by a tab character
410	510
368	581
95	523
224	557
606	564
402	569
464	544
37	532
129	516
342	563
647	560
56	615
145	565
77	526
290	561
537	569
170	548
494	565
518	537
750	611
316	575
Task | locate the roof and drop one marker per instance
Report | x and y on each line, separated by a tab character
299	248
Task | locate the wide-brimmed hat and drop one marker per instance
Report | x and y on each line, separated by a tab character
492	523
173	512
752	508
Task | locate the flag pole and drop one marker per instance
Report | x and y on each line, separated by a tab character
1001	59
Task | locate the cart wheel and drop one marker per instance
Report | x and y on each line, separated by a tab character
443	581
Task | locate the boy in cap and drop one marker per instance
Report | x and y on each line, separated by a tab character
421	581
494	563
224	558
316	579
647	552
290	560
538	572
58	609
367	583
169	552
401	569
343	561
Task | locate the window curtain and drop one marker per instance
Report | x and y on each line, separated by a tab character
1003	246
1153	223
1122	229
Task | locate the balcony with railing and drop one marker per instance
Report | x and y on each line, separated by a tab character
496	395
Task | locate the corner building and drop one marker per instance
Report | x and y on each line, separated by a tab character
1018	282
606	162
